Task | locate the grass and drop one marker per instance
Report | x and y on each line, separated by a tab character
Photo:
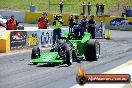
42	5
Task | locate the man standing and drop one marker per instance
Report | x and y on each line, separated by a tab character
97	9
83	23
102	9
61	6
11	23
91	26
71	23
84	7
43	21
57	27
89	8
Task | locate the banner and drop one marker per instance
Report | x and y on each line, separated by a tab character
119	24
26	39
18	39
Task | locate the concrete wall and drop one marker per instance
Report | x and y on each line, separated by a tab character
20	16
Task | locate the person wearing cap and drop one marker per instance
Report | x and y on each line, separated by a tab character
91	26
83	23
43	21
11	23
57	27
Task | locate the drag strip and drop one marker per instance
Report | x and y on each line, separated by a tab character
17	72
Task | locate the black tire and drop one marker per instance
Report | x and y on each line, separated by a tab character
35	53
74	55
68	52
92	50
52	50
35	63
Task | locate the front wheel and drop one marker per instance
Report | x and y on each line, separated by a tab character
35	63
35	52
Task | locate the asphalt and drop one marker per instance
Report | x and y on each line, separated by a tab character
16	71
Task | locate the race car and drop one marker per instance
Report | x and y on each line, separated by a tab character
68	49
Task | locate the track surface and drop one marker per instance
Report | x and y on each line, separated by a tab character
17	72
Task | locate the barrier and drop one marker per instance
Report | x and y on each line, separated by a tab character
18	39
5	42
32	17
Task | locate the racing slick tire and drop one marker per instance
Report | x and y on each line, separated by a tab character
92	50
35	53
68	54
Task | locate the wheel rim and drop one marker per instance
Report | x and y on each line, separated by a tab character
97	51
71	60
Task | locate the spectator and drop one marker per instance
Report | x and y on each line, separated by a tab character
102	9
91	26
97	9
89	8
71	23
61	6
84	7
11	23
83	23
43	21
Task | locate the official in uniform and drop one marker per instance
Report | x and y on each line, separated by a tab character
43	21
11	23
57	27
91	26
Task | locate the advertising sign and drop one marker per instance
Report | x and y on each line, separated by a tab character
18	39
120	24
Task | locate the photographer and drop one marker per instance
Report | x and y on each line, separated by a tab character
57	27
11	23
43	21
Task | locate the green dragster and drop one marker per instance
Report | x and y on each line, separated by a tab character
68	49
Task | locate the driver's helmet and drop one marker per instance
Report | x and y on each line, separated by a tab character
76	27
77	30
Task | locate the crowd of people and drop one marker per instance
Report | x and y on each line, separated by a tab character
75	26
84	25
99	8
